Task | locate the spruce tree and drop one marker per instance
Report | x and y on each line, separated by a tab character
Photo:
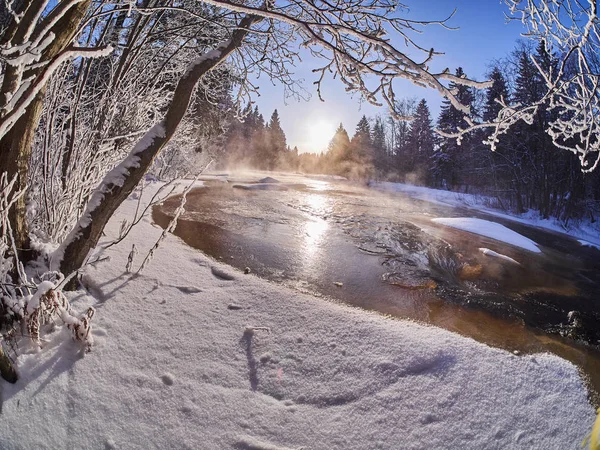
420	143
274	144
497	91
529	145
380	151
446	163
337	150
499	170
363	132
359	164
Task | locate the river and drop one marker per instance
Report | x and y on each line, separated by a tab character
381	251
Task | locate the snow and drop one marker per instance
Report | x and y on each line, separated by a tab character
583	230
115	178
215	53
489	229
270	186
174	367
493	254
33	301
589	244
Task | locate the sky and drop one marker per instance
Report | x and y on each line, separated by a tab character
483	36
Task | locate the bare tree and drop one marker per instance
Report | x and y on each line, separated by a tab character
33	46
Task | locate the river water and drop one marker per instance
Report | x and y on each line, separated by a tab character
383	253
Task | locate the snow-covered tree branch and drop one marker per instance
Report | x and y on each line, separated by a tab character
570	32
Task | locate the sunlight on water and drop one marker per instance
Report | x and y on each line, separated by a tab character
362	250
313	234
314	230
317	204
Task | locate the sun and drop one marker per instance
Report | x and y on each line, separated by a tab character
319	134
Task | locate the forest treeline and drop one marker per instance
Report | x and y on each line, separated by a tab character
526	171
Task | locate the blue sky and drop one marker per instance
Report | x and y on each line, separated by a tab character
483	36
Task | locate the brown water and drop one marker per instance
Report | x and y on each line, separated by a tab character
382	252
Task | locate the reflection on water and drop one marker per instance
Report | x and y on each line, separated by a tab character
313	232
389	258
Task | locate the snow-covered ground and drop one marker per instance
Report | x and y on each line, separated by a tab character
489	229
177	364
587	234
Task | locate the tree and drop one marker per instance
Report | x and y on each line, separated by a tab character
495	94
420	143
275	142
570	29
400	132
358	161
34	45
337	150
381	157
120	182
501	167
447	162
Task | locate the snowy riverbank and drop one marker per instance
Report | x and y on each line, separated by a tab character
587	233
174	366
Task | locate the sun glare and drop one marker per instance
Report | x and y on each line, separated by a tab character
319	133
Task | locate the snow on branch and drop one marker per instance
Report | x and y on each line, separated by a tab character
27	303
354	39
29	89
570	33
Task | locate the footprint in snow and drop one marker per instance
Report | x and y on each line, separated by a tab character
188	289
221	274
167	379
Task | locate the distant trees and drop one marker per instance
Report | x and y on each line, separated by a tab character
527	170
251	143
569	31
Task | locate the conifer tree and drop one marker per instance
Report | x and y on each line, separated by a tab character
337	150
421	141
363	132
400	132
499	90
275	143
359	161
381	158
447	160
529	147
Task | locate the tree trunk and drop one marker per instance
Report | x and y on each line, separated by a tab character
7	371
16	145
15	152
121	181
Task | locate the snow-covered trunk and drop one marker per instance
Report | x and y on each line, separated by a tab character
16	144
120	182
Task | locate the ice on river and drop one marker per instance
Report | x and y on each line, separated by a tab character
489	229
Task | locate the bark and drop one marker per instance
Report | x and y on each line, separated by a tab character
16	145
7	371
15	151
115	189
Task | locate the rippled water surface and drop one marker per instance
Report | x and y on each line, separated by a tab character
382	252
